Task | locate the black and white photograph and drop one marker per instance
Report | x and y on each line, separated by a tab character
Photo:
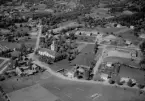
72	50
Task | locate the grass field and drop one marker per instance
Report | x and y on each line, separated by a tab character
11	45
74	91
64	64
122	60
130	36
86	38
89	48
33	93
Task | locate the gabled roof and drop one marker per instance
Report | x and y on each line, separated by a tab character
53	53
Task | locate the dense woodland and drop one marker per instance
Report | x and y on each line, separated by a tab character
138	18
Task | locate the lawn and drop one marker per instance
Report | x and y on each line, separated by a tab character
122	60
84	59
136	74
63	64
88	48
86	38
33	93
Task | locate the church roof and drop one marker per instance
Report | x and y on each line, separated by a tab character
53	53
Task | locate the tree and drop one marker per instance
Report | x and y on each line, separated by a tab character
118	81
86	75
142	64
111	81
142	47
96	47
72	36
141	86
130	83
23	48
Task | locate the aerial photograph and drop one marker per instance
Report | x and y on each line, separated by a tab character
72	50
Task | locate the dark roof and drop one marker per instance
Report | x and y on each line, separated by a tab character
84	59
48	51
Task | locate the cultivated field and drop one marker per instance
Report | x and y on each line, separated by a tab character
1	60
74	91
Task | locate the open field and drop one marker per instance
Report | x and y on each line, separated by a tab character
11	45
132	73
88	48
122	60
64	64
33	93
74	91
130	36
86	38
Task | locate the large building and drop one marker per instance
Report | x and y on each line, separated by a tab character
48	52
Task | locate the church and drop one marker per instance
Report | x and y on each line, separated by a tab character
49	52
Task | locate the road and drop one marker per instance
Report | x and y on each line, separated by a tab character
38	37
99	61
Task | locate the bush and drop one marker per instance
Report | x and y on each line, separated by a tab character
2	78
140	86
111	81
118	81
97	77
130	83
